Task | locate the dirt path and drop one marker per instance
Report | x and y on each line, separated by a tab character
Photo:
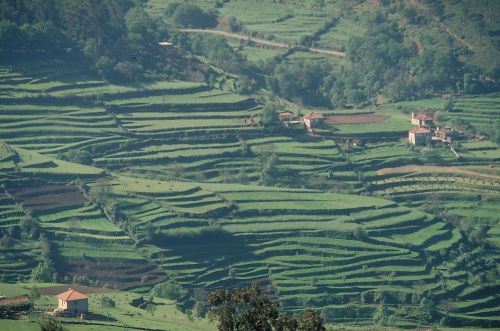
263	42
434	169
457	38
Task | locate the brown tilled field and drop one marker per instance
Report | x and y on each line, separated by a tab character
55	290
14	300
120	275
49	197
354	119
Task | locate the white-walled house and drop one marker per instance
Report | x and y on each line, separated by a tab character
73	303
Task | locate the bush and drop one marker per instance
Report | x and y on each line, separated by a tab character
107	302
129	70
42	272
190	16
51	325
6	241
168	290
76	156
34	293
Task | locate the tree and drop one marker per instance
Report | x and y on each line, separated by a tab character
380	317
107	302
34	293
496	132
269	119
250	309
6	241
269	171
191	16
242	309
51	325
42	272
167	290
310	320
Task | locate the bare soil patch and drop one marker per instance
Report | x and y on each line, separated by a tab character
436	170
57	289
49	197
119	275
14	300
354	119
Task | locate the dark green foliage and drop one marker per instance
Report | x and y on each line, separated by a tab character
249	309
496	132
301	80
76	156
168	290
42	272
190	16
107	302
233	24
51	325
269	119
217	50
34	293
29	227
6	241
269	171
118	37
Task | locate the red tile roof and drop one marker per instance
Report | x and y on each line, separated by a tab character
422	117
313	115
419	130
285	114
71	295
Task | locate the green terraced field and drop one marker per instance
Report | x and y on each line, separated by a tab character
172	192
301	241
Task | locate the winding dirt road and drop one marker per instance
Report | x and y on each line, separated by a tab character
263	42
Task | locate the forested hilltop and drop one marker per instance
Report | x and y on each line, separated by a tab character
249	164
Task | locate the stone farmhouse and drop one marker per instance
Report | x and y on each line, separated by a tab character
421	120
419	136
313	120
72	303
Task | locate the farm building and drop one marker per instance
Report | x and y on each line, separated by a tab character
72	303
445	133
313	120
419	136
421	119
286	116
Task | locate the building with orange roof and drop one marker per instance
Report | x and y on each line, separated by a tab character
73	303
313	120
286	116
421	119
419	136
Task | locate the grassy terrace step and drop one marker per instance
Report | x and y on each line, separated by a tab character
278	233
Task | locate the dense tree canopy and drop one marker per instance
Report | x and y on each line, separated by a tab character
250	309
118	37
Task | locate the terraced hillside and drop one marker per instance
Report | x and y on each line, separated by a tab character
136	184
310	248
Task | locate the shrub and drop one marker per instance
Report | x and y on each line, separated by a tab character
129	70
34	293
168	290
42	272
76	156
51	325
107	302
192	16
6	241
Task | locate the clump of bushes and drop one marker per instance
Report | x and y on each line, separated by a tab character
168	290
187	15
107	302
